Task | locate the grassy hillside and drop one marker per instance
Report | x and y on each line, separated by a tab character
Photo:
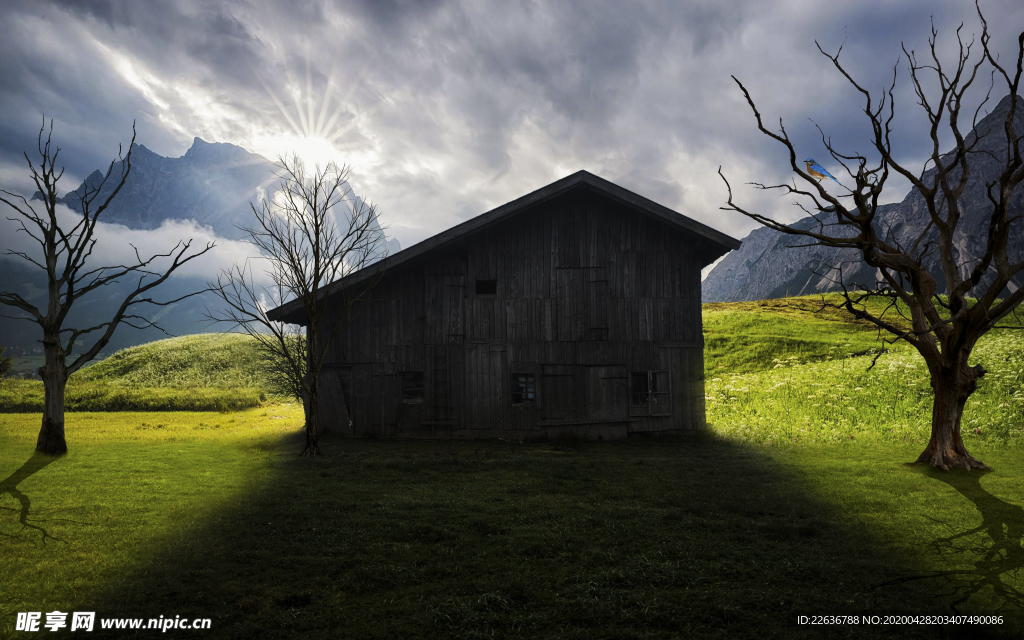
742	337
218	360
203	372
777	372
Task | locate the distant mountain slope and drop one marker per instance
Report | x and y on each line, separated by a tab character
212	184
23	337
767	267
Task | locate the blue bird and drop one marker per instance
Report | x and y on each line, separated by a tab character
818	171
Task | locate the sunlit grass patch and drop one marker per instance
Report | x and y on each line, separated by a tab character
132	485
19	396
841	401
161	427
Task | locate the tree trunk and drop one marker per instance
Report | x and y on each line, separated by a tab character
54	373
312	409
953	386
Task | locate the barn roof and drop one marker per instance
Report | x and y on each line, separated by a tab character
714	244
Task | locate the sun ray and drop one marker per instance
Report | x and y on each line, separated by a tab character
299	110
280	106
309	100
325	103
318	115
340	109
292	85
359	116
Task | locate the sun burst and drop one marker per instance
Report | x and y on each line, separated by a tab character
315	119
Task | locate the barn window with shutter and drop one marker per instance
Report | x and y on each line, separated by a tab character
650	393
524	388
412	386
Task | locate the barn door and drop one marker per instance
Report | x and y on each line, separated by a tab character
599	304
607	392
440	384
335	400
454	296
384	400
411	396
453	333
557	392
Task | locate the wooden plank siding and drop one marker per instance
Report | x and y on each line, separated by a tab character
588	290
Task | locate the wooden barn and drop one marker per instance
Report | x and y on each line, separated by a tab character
574	309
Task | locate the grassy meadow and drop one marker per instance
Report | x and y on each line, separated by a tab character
811	380
203	372
777	513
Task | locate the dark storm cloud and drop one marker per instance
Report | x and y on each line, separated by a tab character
90	105
113	14
394	16
446	109
52	59
203	40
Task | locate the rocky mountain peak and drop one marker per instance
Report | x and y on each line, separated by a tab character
202	150
767	266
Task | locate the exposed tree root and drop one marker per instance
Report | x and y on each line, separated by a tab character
311	450
946	459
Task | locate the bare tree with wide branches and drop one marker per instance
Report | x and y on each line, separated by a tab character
944	323
307	252
63	253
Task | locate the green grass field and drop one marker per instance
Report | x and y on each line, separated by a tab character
777	513
794	377
203	372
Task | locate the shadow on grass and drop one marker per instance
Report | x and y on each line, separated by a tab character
9	486
994	547
638	539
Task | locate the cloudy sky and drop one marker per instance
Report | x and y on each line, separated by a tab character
444	110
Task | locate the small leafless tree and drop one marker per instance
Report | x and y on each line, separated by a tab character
6	363
943	330
63	257
307	253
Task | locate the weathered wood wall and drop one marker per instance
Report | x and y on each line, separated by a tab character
587	290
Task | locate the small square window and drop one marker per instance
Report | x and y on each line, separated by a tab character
524	388
486	287
651	393
412	386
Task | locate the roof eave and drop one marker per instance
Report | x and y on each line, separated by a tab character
293	313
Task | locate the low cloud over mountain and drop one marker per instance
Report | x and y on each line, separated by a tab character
204	196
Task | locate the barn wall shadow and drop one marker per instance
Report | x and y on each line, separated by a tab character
440	539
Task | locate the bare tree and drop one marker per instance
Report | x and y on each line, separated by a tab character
307	253
943	329
63	256
6	363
